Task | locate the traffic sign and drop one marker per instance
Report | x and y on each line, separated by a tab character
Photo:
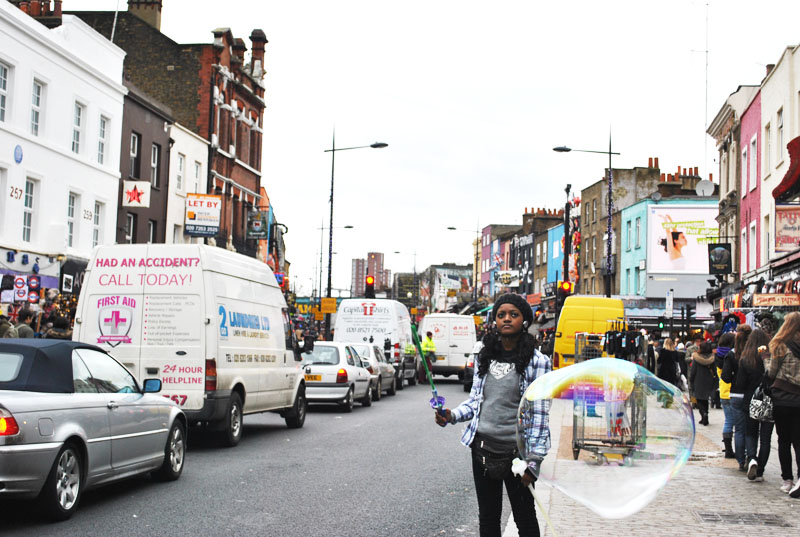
669	303
328	305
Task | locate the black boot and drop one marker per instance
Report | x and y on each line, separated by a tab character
704	420
727	439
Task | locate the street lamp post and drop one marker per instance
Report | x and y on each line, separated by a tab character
321	229
564	149
476	270
332	151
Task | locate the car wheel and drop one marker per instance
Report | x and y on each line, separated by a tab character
174	454
401	376
367	399
347	404
392	387
467	386
62	490
376	395
233	422
412	380
297	415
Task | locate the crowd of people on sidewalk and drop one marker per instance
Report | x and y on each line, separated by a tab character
728	371
31	325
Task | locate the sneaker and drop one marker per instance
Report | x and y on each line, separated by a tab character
795	491
787	485
752	469
742	467
759	479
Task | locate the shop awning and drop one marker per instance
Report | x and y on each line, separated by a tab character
789	186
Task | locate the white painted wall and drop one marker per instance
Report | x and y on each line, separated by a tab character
195	152
75	63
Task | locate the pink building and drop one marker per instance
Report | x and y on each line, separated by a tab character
750	189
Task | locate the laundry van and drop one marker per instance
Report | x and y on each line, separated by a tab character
454	336
382	322
211	324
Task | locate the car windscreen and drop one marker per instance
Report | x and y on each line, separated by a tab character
321	355
362	350
35	371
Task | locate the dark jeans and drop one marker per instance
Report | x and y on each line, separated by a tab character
787	425
490	503
757	436
739	414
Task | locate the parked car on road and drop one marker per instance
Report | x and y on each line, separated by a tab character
72	418
380	369
335	373
469	368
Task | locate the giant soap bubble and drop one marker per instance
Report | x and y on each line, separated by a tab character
619	433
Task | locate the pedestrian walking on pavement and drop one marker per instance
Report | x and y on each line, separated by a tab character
508	363
750	374
429	355
703	379
60	330
23	327
784	372
668	368
7	329
725	352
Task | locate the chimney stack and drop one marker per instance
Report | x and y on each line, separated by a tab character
258	40
650	162
656	162
770	67
147	10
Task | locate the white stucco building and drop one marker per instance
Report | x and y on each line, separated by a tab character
188	171
61	100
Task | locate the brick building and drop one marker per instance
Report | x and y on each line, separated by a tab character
213	91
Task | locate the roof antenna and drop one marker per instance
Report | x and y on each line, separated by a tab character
114	26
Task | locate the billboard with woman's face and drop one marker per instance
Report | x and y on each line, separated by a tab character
678	238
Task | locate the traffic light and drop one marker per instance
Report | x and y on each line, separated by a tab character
690	311
662	322
565	288
369	289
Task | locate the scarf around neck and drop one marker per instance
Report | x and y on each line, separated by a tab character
722	351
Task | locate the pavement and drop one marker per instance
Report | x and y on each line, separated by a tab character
708	497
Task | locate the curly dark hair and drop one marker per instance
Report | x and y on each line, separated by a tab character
492	346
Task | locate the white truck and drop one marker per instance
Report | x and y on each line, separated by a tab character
211	324
454	336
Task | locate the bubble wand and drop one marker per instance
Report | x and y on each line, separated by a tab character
437	401
518	467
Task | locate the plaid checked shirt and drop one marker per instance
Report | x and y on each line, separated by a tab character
537	422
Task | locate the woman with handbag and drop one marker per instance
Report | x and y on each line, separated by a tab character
703	379
784	372
508	363
749	377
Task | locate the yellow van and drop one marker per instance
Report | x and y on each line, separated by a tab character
583	314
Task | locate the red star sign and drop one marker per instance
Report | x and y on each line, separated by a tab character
134	195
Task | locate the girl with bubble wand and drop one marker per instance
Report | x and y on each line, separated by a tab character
508	363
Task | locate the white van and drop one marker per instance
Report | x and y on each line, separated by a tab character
376	320
454	336
211	324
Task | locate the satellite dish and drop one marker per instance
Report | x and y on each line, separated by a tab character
704	188
655	196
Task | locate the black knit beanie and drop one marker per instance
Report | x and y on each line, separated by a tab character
518	302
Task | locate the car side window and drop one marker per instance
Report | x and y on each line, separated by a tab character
350	359
287	330
108	376
82	380
378	354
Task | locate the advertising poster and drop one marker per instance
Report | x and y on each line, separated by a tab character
507	278
787	227
136	194
202	215
678	238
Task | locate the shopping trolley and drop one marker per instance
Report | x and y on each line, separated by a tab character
609	424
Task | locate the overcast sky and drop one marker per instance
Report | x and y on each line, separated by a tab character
471	98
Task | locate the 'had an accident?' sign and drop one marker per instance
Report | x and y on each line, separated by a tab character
202	215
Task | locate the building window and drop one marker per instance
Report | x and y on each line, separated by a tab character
538	253
135	154
638	232
151	231
765	246
177	234
752	248
96	219
544	251
628	285
155	160
780	134
594	253
130	228
77	126
636	282
102	137
767	150
179	175
594	210
27	210
628	235
37	101
743	261
4	70
753	163
198	173
744	172
72	201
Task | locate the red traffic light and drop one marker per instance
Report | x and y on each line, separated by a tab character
370	280
565	287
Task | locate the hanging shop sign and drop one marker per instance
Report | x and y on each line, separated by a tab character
202	215
136	194
507	278
787	227
774	299
257	225
719	258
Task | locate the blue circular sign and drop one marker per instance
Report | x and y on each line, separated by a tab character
18	154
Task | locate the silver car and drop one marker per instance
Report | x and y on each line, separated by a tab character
381	371
72	418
